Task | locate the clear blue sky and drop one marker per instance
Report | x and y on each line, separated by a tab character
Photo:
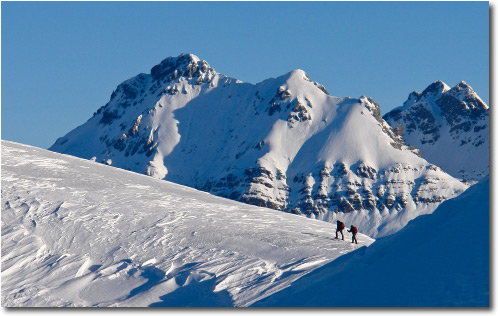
61	61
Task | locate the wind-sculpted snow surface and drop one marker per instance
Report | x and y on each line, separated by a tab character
440	260
283	143
79	233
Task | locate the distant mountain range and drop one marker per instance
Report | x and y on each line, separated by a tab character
285	143
450	126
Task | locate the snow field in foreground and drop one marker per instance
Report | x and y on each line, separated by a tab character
78	233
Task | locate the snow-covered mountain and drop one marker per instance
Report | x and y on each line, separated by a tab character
449	125
79	233
440	259
284	143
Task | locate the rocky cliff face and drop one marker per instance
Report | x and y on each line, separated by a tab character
449	125
284	143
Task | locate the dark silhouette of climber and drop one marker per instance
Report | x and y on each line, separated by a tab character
340	228
354	230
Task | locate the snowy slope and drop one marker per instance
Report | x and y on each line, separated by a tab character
449	126
440	259
283	143
79	233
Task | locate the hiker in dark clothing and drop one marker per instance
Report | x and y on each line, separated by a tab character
354	230
340	228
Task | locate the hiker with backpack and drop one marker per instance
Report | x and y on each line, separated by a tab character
340	228
354	230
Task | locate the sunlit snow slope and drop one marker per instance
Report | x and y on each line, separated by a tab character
79	233
436	260
283	143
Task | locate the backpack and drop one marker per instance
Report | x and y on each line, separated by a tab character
354	230
341	225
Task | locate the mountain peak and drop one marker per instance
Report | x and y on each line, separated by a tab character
462	84
470	100
446	123
186	65
462	89
435	88
297	75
